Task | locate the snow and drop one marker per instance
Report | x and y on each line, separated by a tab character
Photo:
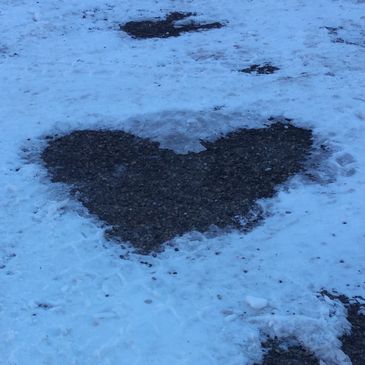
67	296
256	303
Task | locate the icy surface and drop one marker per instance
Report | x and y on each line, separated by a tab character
66	295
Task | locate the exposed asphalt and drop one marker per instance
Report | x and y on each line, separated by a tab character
165	28
149	195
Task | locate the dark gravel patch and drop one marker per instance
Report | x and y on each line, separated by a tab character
166	27
293	355
149	195
353	343
265	69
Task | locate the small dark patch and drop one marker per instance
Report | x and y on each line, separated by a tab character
334	33
44	306
277	354
146	263
333	30
165	28
265	69
149	195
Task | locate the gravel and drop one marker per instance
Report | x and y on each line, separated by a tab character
166	27
149	195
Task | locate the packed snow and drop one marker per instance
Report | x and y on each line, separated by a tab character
69	296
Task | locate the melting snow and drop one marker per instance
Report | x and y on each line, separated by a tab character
67	296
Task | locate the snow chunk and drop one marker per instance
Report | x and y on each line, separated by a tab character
255	302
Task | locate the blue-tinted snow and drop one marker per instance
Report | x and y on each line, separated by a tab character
66	296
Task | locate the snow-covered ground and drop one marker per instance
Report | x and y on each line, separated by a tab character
66	295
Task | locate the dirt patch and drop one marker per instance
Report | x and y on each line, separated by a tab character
149	195
278	354
265	69
353	343
168	27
